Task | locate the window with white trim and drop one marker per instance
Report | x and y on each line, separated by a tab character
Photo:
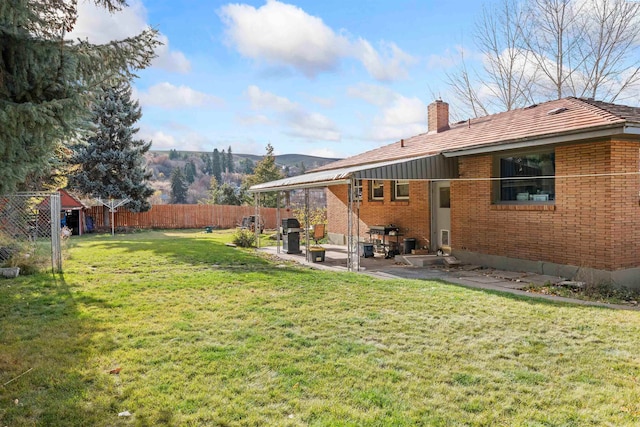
400	190
376	190
525	177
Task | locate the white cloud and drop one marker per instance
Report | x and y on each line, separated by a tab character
389	66
170	60
298	122
453	57
166	95
282	34
323	102
99	26
373	94
183	141
255	119
399	116
279	33
266	100
403	118
404	111
159	139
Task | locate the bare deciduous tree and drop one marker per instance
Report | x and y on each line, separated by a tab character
545	49
554	39
610	47
508	71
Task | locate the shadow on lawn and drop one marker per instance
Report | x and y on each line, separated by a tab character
48	347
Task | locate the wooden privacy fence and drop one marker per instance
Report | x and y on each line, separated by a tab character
181	216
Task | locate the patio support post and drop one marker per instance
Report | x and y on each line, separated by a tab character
306	224
278	221
256	228
350	260
356	200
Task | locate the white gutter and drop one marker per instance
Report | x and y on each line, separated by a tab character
618	129
632	129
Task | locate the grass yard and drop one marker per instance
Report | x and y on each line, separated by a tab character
208	335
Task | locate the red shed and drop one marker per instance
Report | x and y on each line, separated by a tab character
73	213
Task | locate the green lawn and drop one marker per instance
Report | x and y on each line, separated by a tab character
209	335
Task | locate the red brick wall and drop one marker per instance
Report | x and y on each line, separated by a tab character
625	219
412	216
595	221
593	224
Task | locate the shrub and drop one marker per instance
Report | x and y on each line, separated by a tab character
244	238
28	263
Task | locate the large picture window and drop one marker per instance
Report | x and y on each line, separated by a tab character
526	178
400	190
376	188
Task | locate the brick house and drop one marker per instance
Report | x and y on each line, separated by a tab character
552	188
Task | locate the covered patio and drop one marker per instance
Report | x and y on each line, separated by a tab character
426	168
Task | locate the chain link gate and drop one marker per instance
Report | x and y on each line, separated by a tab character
30	228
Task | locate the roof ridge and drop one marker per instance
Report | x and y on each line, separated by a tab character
564	116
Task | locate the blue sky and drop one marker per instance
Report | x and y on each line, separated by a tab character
327	78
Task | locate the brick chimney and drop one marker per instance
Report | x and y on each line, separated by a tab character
438	113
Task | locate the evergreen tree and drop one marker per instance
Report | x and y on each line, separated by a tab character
216	167
190	171
225	194
247	166
46	82
112	164
206	163
223	161
265	170
178	187
173	154
230	161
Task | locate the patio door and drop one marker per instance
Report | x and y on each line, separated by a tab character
440	214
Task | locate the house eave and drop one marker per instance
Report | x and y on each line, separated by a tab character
414	168
612	130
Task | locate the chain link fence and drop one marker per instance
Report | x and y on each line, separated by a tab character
30	231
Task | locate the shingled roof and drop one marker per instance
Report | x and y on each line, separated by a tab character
554	118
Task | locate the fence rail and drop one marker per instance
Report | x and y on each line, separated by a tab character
181	216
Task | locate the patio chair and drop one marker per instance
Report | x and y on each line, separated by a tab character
318	232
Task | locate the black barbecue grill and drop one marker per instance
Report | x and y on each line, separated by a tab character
384	229
291	235
384	245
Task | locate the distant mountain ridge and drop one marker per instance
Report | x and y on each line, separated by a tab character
310	162
193	164
291	160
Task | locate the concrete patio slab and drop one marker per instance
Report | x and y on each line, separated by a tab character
484	279
542	279
510	275
468	276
